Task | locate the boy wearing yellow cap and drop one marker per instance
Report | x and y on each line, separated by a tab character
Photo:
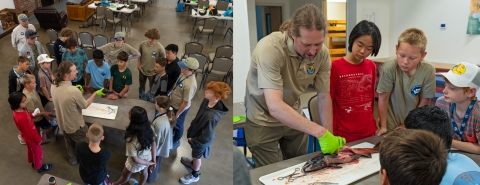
459	100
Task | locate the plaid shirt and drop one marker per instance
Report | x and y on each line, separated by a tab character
472	127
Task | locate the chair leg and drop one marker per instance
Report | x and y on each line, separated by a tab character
212	38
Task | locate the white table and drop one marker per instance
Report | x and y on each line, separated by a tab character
212	3
126	11
196	15
142	3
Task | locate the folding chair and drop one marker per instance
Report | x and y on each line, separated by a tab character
75	36
222	51
52	35
208	27
86	39
99	14
315	117
109	18
229	30
219	67
202	63
89	52
100	40
50	50
222	5
192	47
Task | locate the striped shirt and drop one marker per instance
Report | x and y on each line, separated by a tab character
472	127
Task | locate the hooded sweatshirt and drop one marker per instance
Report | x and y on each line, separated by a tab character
202	127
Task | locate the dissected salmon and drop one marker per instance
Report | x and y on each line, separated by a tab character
346	155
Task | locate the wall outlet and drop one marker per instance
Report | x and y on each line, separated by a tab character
443	25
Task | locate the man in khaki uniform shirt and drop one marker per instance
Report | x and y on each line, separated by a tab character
182	94
406	82
69	102
112	49
283	65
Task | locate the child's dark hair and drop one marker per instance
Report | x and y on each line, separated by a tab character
98	54
366	28
139	128
172	47
412	156
431	118
62	70
14	99
164	103
161	61
123	56
70	43
22	59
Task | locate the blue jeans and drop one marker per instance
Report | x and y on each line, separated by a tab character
178	128
146	96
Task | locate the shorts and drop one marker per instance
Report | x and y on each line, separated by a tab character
44	124
134	167
198	153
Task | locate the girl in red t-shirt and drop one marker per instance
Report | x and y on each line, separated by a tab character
24	123
352	84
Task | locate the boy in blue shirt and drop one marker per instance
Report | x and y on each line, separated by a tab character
97	71
78	57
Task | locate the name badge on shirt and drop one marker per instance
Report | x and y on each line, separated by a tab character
310	68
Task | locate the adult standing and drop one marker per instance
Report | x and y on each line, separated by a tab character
283	65
59	45
32	49
172	68
112	49
69	102
18	33
150	51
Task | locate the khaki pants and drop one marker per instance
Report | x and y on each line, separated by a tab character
263	143
72	140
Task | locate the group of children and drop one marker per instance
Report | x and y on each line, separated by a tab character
407	84
147	142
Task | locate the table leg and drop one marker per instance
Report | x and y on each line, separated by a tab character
194	23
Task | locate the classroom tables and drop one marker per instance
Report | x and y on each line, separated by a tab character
220	16
125	11
211	3
256	173
121	119
60	181
142	4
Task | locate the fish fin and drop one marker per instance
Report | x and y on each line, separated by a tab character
335	166
377	145
367	155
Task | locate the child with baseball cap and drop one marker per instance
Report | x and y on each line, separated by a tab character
183	91
459	100
45	77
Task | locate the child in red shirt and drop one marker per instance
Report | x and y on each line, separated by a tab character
352	84
23	121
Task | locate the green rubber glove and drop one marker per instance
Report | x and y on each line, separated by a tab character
238	118
79	87
331	144
100	92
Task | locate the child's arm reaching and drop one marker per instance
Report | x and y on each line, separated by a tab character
466	146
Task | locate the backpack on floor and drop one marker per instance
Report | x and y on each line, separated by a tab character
180	7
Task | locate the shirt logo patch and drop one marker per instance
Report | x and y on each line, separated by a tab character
465	178
310	69
180	85
459	69
154	54
415	90
124	77
22	33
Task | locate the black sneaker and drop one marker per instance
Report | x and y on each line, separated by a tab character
45	167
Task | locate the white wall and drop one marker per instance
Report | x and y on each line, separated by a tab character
7	4
336	10
245	39
356	10
450	45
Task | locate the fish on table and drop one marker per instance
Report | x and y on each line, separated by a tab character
345	155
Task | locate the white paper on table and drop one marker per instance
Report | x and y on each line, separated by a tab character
349	172
307	114
101	111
